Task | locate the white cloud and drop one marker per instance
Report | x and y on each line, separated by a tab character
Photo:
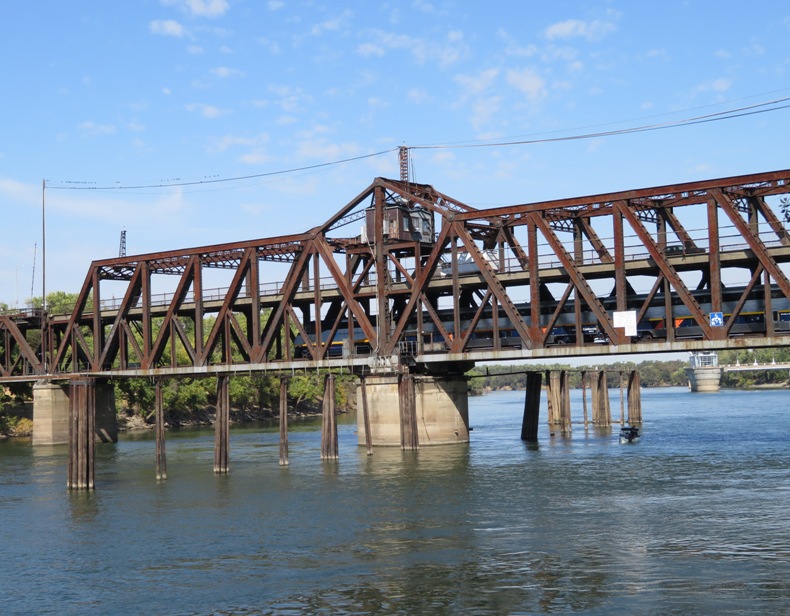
321	149
256	157
167	27
443	52
272	46
200	8
275	5
575	28
224	72
484	110
230	141
717	85
527	81
92	129
195	50
12	190
475	84
418	96
331	24
290	97
369	49
207	111
514	47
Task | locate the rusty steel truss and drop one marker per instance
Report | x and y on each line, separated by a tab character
404	277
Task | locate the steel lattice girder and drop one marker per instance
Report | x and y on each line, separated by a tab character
386	288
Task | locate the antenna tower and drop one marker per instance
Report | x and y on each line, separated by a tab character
122	249
403	158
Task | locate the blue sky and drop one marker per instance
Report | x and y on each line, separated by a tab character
157	92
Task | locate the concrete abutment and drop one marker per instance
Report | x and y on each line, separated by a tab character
440	407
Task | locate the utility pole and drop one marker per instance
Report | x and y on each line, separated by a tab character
44	276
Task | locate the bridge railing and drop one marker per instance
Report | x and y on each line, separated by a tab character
633	252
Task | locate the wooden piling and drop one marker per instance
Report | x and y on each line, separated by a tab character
529	424
584	397
554	398
602	415
622	398
82	426
594	396
159	418
634	398
329	423
409	437
366	416
222	427
565	402
283	422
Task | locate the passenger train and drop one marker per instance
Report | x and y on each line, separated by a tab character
751	321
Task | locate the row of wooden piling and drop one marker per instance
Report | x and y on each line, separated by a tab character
559	406
82	417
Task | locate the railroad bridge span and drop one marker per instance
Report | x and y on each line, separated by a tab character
406	280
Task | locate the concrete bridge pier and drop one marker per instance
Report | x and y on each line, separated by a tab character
704	372
704	380
51	413
413	410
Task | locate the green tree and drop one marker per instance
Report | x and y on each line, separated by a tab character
59	302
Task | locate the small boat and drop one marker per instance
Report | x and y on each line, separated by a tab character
629	434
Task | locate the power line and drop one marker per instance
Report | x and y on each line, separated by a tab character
712	117
74	185
758	108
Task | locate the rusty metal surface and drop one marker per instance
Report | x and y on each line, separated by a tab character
540	280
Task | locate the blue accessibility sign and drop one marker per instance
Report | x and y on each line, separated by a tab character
717	319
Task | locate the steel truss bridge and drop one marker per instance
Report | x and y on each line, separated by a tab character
406	277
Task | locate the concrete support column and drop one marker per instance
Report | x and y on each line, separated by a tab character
704	380
441	410
51	413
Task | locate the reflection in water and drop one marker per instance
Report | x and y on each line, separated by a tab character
577	523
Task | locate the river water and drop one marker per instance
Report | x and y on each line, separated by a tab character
693	519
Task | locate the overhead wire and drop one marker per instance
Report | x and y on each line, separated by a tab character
711	117
86	186
747	110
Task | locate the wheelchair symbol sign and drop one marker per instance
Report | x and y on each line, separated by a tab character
717	319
